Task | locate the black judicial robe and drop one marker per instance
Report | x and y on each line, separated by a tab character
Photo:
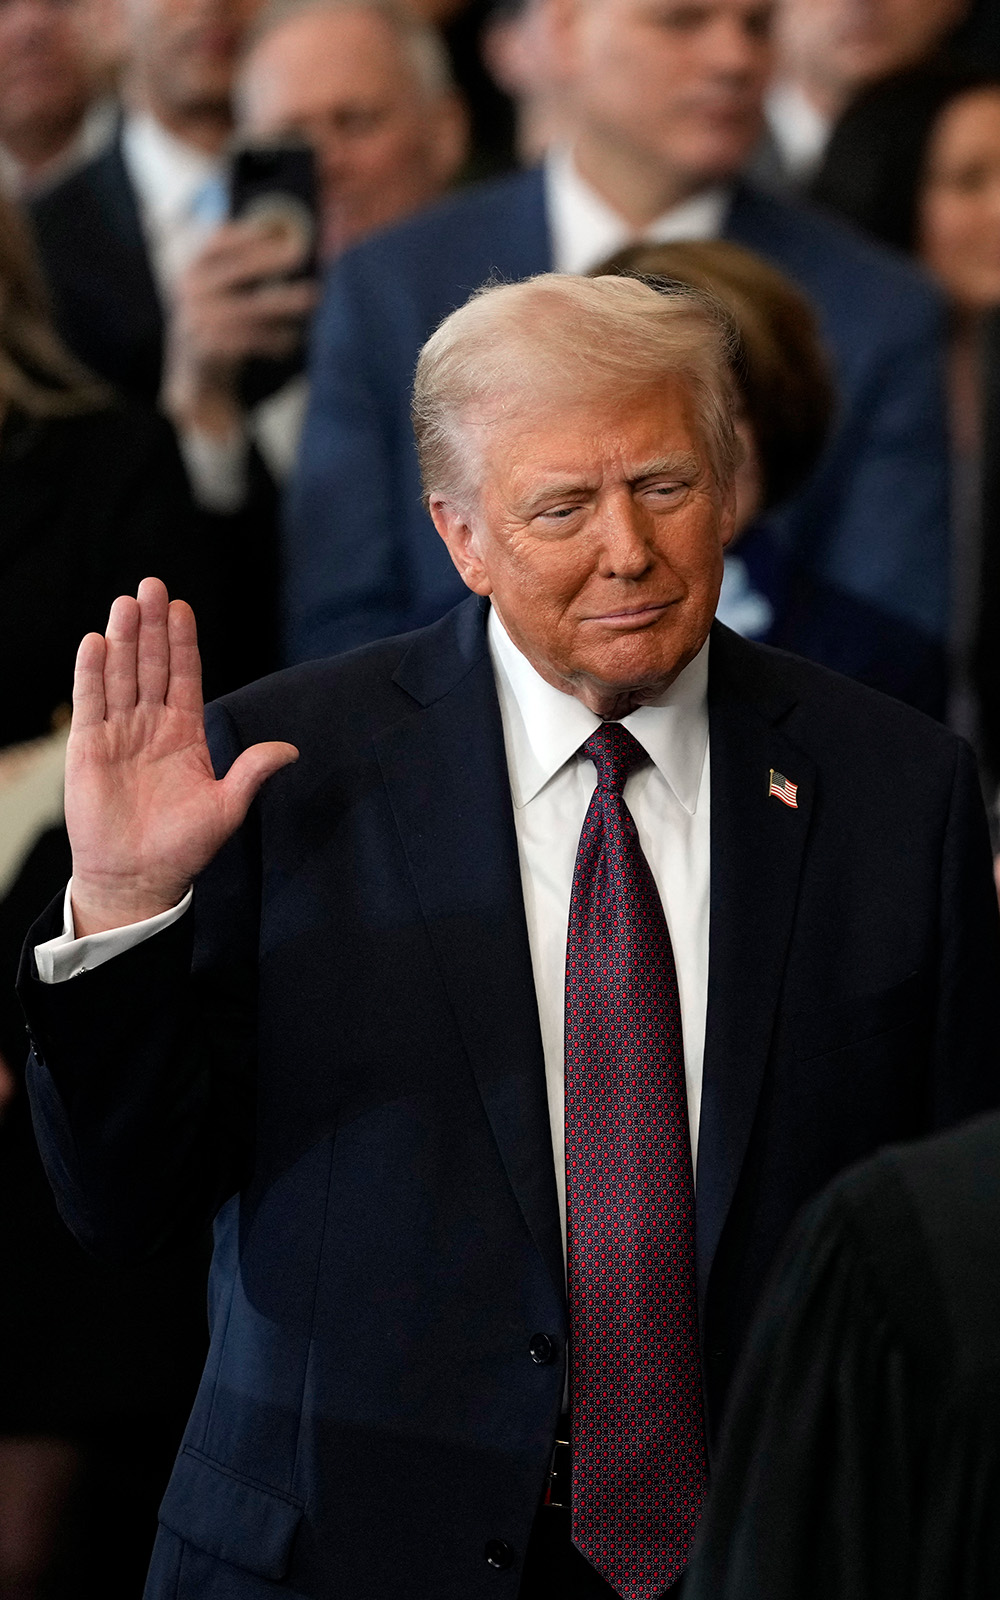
862	1455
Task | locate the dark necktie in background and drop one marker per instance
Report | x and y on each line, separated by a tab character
638	1445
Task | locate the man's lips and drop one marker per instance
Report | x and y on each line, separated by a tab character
633	616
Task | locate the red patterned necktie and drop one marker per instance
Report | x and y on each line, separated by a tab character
638	1449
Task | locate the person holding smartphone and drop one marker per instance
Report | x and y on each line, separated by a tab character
366	88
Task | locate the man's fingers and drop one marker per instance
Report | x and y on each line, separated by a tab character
238	262
249	771
184	686
120	659
152	650
88	682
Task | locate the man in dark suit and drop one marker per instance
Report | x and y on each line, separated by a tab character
113	234
667	109
782	952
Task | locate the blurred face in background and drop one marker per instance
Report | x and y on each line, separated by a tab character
386	142
959	236
48	74
183	54
837	46
671	84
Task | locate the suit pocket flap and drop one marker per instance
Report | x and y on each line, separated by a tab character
857	1018
230	1517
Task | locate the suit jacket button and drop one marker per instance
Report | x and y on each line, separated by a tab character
541	1349
498	1554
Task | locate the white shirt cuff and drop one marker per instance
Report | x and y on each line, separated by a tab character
66	956
217	469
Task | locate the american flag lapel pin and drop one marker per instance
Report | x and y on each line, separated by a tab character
783	790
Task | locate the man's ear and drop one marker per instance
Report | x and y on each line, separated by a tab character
455	528
727	514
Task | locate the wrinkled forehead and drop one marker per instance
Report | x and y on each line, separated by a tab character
551	431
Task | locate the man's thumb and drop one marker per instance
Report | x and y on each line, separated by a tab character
252	768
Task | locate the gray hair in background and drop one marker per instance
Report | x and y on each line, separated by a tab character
558	334
420	41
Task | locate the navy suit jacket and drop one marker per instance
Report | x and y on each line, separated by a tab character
341	1049
96	262
863	551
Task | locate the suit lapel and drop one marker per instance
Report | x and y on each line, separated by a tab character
757	852
445	770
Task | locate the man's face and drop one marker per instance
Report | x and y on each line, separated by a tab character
674	83
843	44
185	51
46	67
343	82
598	533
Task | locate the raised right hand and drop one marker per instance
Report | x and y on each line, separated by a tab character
144	810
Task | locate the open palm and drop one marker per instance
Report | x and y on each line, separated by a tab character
144	810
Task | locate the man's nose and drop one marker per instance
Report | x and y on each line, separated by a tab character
626	549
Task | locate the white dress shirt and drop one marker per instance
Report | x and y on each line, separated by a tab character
551	787
177	189
800	132
585	230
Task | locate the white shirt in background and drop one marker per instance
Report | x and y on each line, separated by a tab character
800	132
585	230
176	186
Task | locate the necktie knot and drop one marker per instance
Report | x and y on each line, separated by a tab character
615	753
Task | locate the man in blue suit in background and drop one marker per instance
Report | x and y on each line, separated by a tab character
667	106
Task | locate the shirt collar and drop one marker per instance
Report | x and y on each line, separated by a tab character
544	728
168	174
585	230
798	129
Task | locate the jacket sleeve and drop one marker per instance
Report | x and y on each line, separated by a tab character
141	1072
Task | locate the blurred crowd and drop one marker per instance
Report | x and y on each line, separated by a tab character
227	227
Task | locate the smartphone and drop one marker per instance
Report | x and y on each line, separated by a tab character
274	180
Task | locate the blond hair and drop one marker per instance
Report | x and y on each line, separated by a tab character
560	334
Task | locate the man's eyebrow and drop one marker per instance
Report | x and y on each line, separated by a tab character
682	461
556	487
